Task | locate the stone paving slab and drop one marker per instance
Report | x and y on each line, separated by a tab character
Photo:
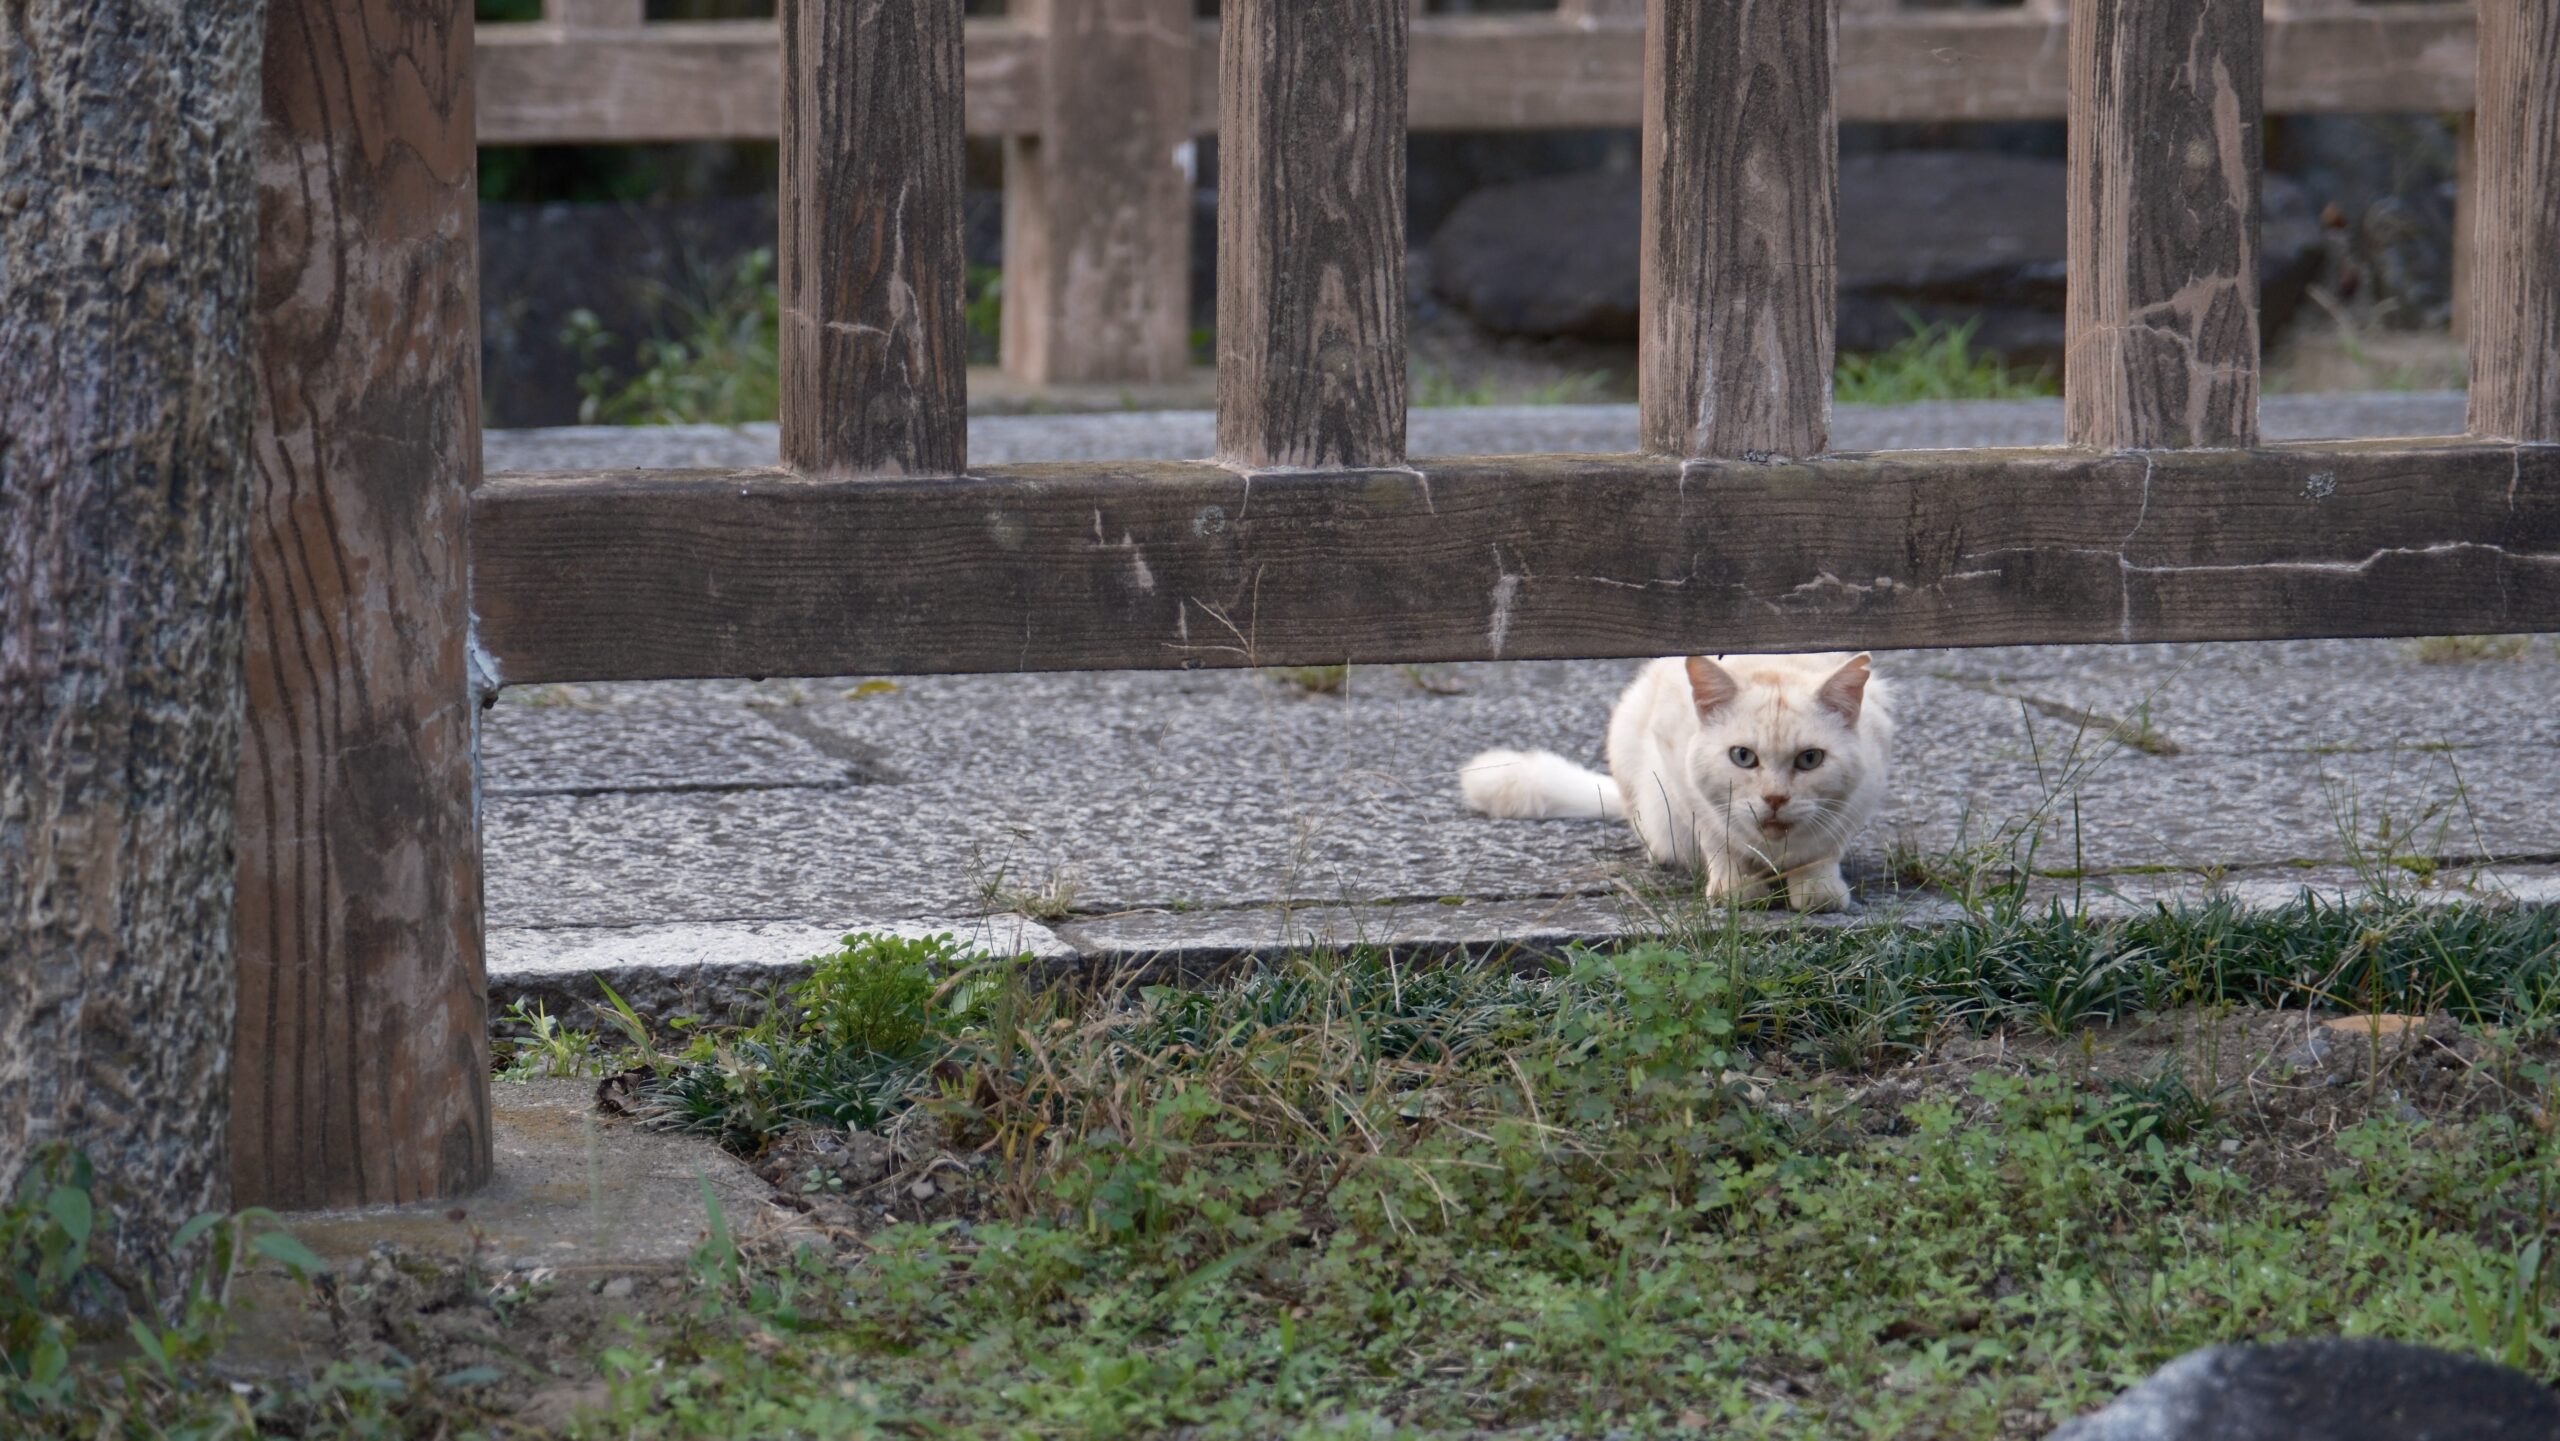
686	840
2309	696
572	1191
655	739
1166	944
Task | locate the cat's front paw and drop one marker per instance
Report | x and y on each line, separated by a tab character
1820	889
1736	890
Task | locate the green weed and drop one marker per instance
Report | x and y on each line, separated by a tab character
1935	362
86	1353
713	360
853	1042
1433	387
544	1048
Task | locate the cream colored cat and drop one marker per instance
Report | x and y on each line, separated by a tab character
1747	770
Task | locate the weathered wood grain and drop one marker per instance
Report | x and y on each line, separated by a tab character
2515	224
1739	257
2161	323
2393	58
722	80
1311	357
874	352
1097	216
700	80
650	576
128	233
363	1073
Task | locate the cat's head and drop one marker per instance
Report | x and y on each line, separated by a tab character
1779	753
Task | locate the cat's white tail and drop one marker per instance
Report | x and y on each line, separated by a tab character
1538	786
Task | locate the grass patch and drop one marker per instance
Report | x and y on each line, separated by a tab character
1810	1182
1652	1190
1935	362
1434	387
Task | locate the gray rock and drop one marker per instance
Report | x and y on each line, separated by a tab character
2327	1390
1948	235
1554	256
637	266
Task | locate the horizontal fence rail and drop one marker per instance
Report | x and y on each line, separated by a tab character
722	80
653	576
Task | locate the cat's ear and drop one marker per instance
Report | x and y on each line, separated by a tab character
1845	693
1711	685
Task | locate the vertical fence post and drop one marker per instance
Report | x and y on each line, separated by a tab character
1311	156
874	360
2515	226
1097	206
2161	323
363	1073
1741	208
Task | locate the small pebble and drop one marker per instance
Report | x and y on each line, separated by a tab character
619	1289
2231	1146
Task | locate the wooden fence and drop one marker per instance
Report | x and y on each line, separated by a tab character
1312	537
1096	100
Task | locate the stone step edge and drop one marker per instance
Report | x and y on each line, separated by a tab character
727	970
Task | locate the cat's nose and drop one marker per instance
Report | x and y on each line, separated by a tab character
1774	803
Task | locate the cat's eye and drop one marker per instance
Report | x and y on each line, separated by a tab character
1807	760
1744	757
